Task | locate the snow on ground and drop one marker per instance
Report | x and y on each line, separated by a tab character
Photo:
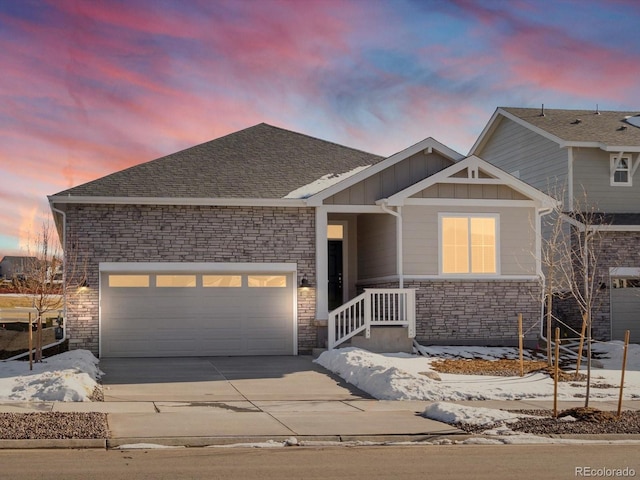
68	377
411	377
453	413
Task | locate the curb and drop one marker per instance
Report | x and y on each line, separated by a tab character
54	443
231	440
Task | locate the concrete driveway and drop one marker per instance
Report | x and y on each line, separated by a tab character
222	379
202	401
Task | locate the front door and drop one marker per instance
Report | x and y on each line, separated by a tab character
335	274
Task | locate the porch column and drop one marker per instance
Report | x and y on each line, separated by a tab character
322	269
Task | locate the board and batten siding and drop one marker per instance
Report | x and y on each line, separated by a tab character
591	173
539	161
421	242
376	246
391	180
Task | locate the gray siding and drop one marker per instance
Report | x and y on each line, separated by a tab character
420	235
391	180
592	176
376	246
541	163
486	192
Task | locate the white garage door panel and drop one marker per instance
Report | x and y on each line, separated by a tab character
625	313
196	321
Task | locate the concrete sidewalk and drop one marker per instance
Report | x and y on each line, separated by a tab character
215	423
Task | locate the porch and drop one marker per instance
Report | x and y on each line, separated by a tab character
375	307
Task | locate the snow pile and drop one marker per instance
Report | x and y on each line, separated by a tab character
68	377
322	183
452	413
410	377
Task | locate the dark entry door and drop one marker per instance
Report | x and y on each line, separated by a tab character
335	274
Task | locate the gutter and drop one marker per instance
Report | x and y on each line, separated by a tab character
241	202
399	256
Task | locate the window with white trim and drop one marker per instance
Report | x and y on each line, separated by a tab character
468	244
620	170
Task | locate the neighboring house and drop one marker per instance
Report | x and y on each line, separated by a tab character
17	267
586	157
244	244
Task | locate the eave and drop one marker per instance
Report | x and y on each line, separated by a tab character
240	202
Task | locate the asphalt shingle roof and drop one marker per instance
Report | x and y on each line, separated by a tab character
607	127
258	162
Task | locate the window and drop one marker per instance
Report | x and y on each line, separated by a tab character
120	281
267	281
174	281
620	170
221	281
468	244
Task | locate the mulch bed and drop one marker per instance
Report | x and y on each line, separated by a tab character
53	425
500	368
587	421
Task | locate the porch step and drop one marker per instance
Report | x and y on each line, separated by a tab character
385	340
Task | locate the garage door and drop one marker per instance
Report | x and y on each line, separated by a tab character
625	308
156	314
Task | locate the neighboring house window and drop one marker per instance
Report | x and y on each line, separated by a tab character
469	244
620	170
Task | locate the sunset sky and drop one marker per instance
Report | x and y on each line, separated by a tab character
91	87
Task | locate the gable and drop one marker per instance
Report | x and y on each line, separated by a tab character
471	179
392	179
608	130
470	191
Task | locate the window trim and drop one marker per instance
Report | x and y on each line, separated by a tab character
613	167
496	217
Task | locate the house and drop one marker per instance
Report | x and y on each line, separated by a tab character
17	267
251	243
583	155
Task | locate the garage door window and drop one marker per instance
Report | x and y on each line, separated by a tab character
625	282
128	281
278	281
180	281
221	281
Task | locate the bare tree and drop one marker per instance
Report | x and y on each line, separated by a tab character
571	251
40	281
583	273
554	256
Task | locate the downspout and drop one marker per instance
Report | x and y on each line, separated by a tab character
542	212
64	268
399	262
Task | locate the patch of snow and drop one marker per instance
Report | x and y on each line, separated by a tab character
67	377
452	413
402	376
145	446
322	183
634	120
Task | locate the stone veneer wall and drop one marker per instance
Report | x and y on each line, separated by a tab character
617	249
474	312
145	233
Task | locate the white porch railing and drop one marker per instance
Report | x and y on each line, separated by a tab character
374	307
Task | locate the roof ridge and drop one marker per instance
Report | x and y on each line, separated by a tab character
319	139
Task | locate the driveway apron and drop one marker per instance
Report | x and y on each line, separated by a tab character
222	379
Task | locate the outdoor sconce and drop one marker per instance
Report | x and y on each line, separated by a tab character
83	285
304	283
